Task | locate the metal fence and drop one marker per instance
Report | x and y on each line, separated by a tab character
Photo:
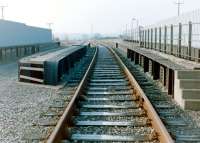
174	36
181	40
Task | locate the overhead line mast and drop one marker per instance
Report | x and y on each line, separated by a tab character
179	3
2	11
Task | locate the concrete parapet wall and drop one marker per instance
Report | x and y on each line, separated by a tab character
162	75
189	83
195	74
187	89
48	67
179	77
150	67
13	53
190	93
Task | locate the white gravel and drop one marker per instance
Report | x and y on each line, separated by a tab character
20	104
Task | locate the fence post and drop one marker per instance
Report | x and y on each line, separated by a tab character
155	40
143	32
151	38
141	37
179	39
25	52
20	52
190	41
171	40
198	60
135	36
160	35
16	51
148	39
32	50
145	38
1	54
165	39
10	52
38	49
5	51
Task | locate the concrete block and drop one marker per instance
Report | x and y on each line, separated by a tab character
190	93
191	104
177	92
162	75
150	67
189	83
195	74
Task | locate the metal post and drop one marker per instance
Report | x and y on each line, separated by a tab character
145	34
5	50
143	37
189	51
140	37
25	51
132	30
35	49
148	39
11	52
155	40
151	38
1	54
32	50
165	39
160	35
171	40
140	33
16	50
198	60
126	34
19	51
179	39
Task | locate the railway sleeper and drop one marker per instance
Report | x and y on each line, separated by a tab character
109	88
179	129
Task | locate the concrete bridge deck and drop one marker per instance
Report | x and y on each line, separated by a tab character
179	77
49	66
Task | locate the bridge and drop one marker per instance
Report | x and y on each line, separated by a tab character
143	86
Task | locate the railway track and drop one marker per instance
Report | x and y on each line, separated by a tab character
182	131
41	129
109	106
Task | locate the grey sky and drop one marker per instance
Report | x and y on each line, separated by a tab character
106	16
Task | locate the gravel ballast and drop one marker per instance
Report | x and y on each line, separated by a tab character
29	112
20	104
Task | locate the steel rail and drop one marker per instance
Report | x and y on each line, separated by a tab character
157	124
60	131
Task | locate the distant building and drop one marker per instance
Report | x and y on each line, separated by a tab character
14	34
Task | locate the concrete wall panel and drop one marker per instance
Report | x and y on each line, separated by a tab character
14	34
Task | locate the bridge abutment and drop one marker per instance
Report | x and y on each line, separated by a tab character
180	78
